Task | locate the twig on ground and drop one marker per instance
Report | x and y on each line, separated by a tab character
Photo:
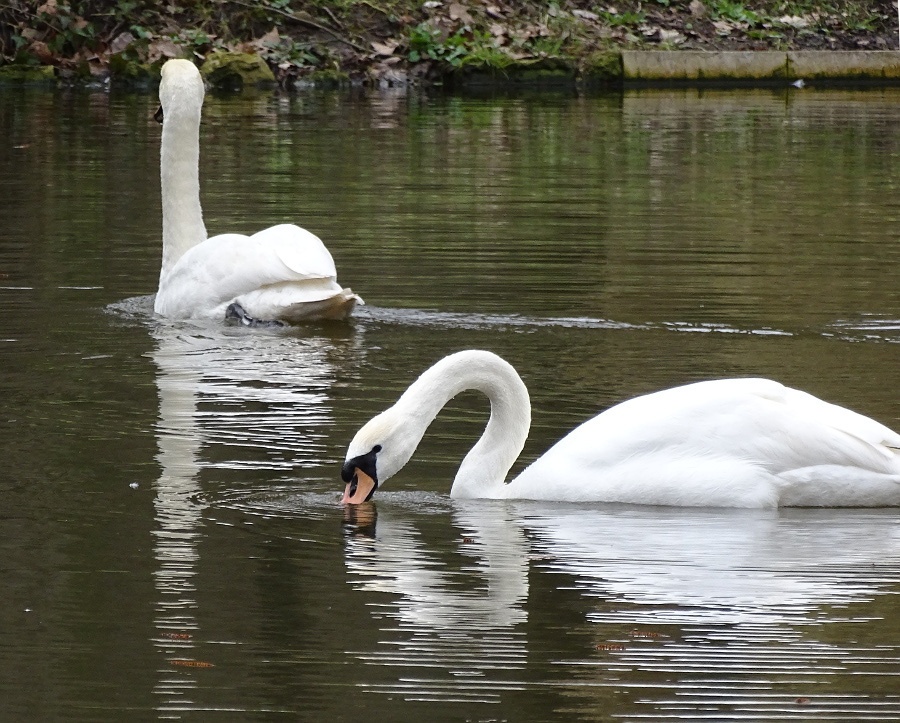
310	21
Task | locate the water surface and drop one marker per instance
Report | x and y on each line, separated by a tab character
170	535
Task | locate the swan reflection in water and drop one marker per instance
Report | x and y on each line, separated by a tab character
225	398
460	627
677	605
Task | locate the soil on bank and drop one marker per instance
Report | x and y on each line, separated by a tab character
408	41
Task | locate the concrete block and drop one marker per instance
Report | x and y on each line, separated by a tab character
683	65
844	64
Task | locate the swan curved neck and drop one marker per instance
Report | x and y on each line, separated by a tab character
483	470
180	176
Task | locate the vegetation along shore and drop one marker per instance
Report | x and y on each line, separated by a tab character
398	42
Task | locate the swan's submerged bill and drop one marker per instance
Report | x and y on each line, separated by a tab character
722	443
282	274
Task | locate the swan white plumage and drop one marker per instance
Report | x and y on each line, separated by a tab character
722	443
282	274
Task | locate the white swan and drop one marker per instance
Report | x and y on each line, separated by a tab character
723	443
283	274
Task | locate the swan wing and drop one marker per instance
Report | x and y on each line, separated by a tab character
302	252
273	270
733	442
874	436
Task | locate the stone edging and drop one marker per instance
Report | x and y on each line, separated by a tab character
760	65
636	68
606	68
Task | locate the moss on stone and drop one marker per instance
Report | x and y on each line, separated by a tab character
236	71
327	78
27	73
130	70
540	73
602	67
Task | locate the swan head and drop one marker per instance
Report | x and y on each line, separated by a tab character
378	451
181	89
361	475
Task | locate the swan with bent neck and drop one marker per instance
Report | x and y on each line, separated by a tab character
723	443
283	274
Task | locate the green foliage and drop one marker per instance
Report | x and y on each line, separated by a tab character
72	32
318	34
624	19
487	56
865	21
287	52
427	41
733	11
549	47
463	47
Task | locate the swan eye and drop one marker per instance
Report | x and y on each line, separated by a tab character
376	449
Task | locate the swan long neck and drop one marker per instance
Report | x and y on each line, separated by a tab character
484	469
179	168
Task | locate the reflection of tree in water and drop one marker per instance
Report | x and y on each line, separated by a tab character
450	634
227	399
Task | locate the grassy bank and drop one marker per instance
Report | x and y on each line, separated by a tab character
401	41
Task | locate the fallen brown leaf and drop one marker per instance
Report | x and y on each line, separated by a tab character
386	48
48	7
459	12
610	646
163	48
192	663
268	40
121	42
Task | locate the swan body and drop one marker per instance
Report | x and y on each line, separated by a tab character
724	443
282	274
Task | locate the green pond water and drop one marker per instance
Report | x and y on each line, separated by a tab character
171	541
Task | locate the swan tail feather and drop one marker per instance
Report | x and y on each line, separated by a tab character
298	303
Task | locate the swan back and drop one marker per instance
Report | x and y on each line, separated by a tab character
722	443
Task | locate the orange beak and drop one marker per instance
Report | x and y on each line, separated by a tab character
358	489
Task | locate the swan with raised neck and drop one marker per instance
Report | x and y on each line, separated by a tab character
283	274
720	443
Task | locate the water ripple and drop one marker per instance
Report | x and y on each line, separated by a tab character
867	328
724	602
460	320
